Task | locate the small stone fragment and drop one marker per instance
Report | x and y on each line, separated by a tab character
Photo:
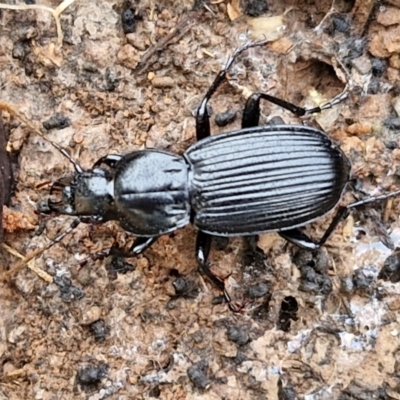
163	82
392	123
391	268
258	290
359	128
128	20
225	118
100	330
91	315
128	56
197	373
92	374
238	335
57	121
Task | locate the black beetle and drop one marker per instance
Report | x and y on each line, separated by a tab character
258	179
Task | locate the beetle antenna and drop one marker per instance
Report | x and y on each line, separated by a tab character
5	276
12	110
374	199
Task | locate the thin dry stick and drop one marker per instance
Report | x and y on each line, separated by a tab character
26	260
179	31
55	12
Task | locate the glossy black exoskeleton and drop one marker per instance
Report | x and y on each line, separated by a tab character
258	179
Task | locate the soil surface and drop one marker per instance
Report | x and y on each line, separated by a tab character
128	76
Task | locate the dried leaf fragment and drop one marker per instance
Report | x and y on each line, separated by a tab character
269	28
233	10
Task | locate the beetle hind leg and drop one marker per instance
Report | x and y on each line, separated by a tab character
300	239
251	113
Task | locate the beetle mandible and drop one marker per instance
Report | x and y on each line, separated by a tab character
258	179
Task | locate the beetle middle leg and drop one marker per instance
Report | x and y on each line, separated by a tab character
203	241
300	239
138	247
203	245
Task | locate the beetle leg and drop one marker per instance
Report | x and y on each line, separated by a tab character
139	246
110	160
203	245
251	113
300	239
374	199
202	117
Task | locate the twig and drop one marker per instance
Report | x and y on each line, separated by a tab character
25	261
179	31
55	12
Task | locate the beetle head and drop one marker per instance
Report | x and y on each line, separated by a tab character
87	193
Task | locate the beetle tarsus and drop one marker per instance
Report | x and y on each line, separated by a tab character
219	282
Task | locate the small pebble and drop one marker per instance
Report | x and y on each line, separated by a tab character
91	315
163	82
340	24
257	290
379	66
100	330
391	269
197	373
58	121
392	123
238	335
92	374
128	20
225	118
